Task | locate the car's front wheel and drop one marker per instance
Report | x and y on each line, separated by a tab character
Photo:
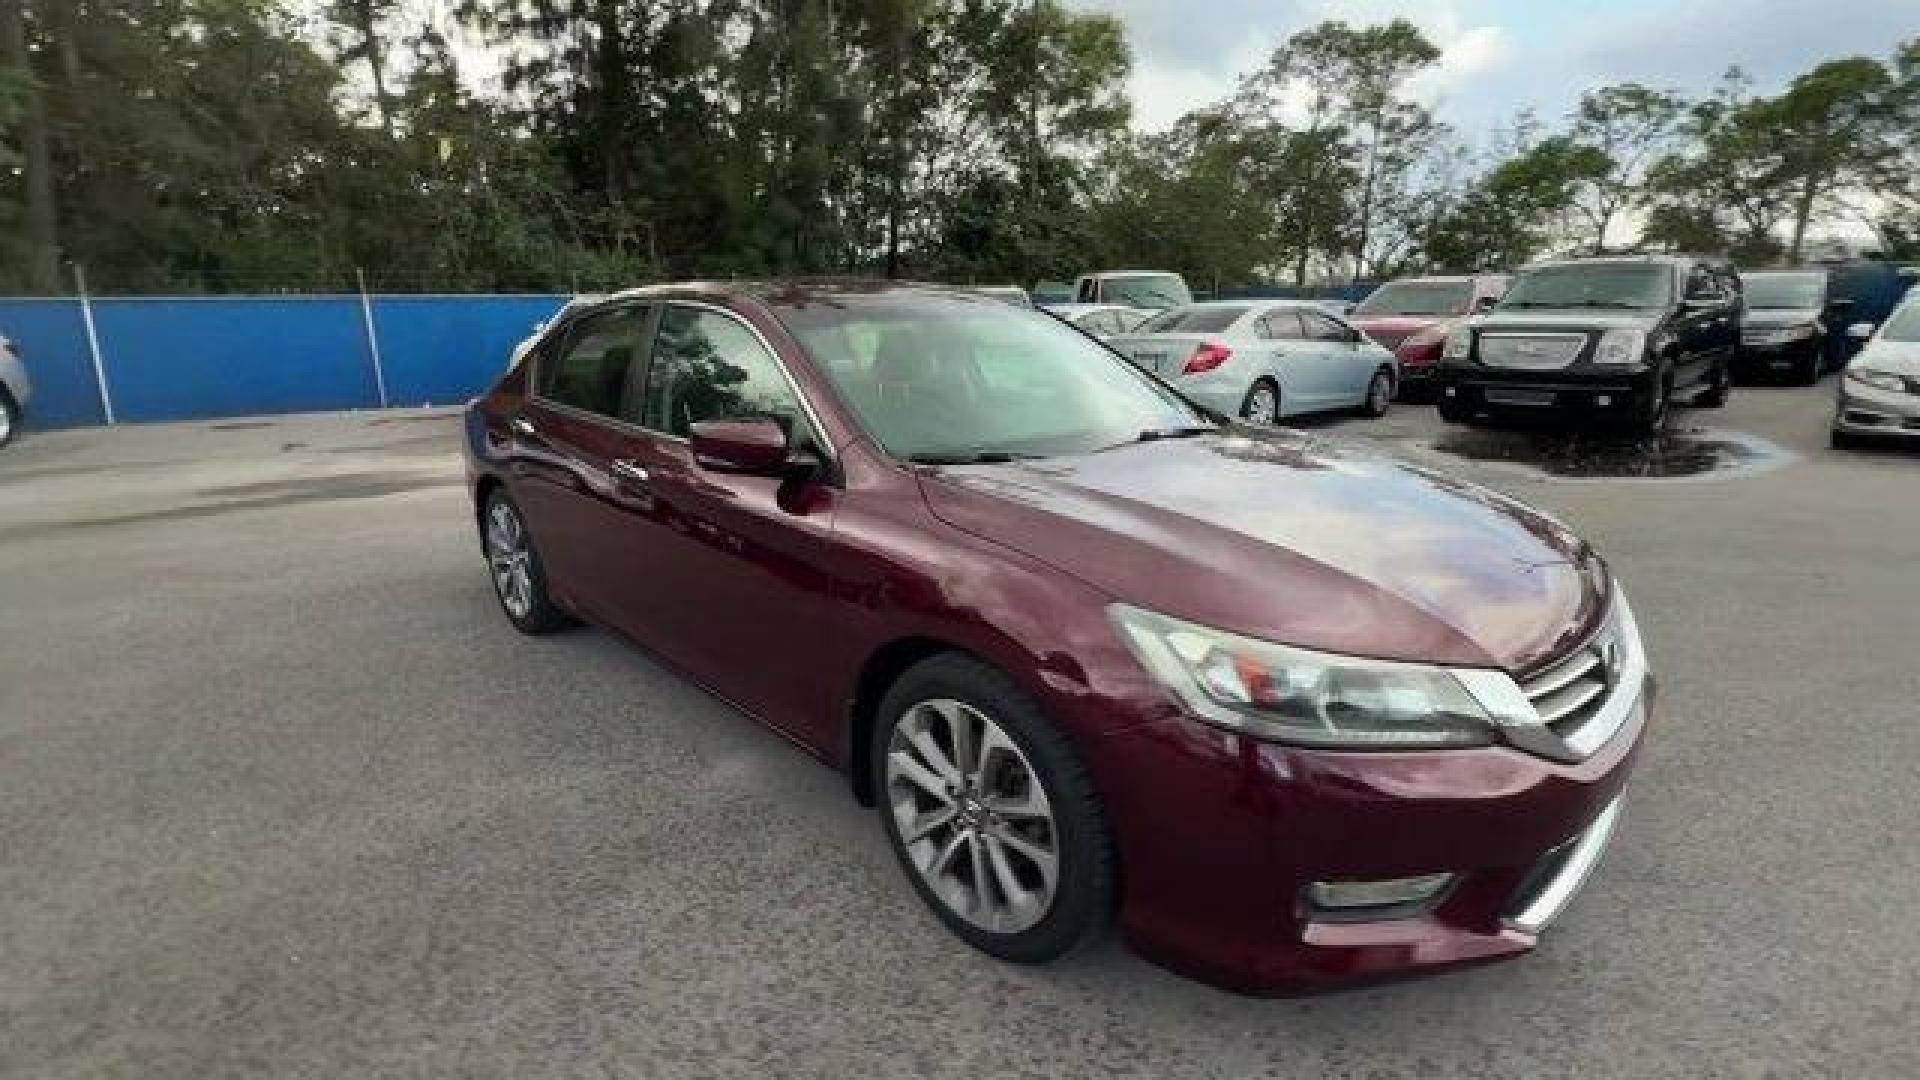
519	577
991	812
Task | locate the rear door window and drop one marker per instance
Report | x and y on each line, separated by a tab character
1281	325
591	370
1321	328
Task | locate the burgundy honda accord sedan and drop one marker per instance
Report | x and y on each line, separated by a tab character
1292	712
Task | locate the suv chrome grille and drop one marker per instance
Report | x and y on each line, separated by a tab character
1531	352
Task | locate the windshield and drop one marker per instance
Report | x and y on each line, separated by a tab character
1903	325
1416	298
1146	290
940	378
1198	319
1785	290
1592	285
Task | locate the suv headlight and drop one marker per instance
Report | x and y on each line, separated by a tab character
1620	348
1879	380
1283	694
1459	344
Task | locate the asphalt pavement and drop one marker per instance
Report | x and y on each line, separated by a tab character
282	794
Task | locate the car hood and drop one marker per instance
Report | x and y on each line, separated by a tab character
1557	318
1770	317
1393	329
1901	357
1324	544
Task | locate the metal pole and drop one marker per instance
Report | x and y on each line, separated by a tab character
373	338
93	342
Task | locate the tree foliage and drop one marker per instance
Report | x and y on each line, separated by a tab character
247	145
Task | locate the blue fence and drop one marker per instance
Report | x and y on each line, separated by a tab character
196	358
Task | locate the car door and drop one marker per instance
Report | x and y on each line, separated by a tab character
1701	322
1285	340
1347	367
566	442
726	572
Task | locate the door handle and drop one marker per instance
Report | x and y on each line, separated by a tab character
629	471
523	426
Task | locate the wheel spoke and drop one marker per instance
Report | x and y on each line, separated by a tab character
926	823
1043	859
982	893
1018	896
966	753
930	752
1031	803
937	868
902	764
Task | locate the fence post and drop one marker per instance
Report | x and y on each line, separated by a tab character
93	343
373	337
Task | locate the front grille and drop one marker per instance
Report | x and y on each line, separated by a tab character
1531	352
1571	695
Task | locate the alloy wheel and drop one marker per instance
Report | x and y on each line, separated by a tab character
972	816
6	419
1379	393
510	558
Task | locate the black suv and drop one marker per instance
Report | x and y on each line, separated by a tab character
1608	337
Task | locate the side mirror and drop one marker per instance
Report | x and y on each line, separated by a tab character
1860	331
1483	304
752	447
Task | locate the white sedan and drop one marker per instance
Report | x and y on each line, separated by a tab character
1261	360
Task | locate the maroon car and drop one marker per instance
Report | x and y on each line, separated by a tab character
1294	712
1411	316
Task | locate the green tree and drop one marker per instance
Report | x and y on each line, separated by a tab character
1630	126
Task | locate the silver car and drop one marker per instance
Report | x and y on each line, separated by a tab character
1264	359
1100	320
1879	392
15	391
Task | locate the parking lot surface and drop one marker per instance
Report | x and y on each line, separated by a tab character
281	793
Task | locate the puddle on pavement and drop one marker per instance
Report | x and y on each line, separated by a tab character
1677	452
243	425
259	496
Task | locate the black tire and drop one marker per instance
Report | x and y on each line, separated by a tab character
1378	400
1843	440
539	614
1246	403
1719	387
9	417
1083	899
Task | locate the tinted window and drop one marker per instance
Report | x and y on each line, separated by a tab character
1786	290
1592	285
707	366
1701	284
1417	298
1146	290
589	371
936	377
1281	326
1321	328
1198	319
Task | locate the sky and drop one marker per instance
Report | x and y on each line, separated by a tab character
1499	56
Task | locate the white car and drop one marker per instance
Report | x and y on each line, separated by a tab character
15	391
1261	360
1879	393
1100	320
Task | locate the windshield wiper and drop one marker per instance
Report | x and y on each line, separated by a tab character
971	457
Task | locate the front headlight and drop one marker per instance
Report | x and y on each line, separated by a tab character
1283	694
1620	348
1459	344
1879	380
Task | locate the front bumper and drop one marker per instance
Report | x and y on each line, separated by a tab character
1222	836
1868	410
1776	355
1599	392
